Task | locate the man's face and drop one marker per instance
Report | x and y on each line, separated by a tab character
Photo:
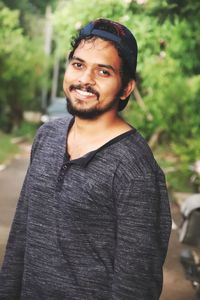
92	79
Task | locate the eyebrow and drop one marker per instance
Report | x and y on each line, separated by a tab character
77	58
100	65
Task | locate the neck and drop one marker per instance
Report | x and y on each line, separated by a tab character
96	126
89	135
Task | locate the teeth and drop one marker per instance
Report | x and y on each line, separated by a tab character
84	93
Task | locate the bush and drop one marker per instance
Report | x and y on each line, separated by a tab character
7	149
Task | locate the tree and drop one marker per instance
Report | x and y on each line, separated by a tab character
33	6
22	65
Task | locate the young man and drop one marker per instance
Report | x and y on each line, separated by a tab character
93	218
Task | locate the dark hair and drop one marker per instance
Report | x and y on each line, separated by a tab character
126	71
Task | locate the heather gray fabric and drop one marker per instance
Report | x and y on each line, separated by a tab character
95	228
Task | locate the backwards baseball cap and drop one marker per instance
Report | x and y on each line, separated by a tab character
121	36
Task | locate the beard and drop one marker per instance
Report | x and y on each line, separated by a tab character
93	112
90	113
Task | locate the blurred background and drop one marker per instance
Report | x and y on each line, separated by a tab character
34	43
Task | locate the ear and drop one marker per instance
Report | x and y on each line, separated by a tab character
128	89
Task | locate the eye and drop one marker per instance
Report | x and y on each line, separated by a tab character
104	73
77	65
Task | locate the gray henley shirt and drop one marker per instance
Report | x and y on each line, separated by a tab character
94	228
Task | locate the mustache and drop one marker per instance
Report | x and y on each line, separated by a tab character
87	88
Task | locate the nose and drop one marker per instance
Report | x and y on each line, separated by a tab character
87	77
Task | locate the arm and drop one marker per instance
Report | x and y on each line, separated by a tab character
13	265
12	268
143	227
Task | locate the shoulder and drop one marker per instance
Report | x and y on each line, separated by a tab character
54	126
135	157
138	170
50	134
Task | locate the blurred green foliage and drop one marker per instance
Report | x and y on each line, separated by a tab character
10	143
7	148
32	6
22	65
26	130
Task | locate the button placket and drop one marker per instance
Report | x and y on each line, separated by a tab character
62	174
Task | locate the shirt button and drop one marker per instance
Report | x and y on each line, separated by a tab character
59	178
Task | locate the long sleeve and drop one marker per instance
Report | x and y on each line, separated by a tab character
14	271
12	268
143	228
13	265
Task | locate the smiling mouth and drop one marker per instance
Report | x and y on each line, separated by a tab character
84	92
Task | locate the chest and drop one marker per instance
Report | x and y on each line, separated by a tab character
79	148
85	192
75	190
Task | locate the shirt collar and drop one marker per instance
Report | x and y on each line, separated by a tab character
84	160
